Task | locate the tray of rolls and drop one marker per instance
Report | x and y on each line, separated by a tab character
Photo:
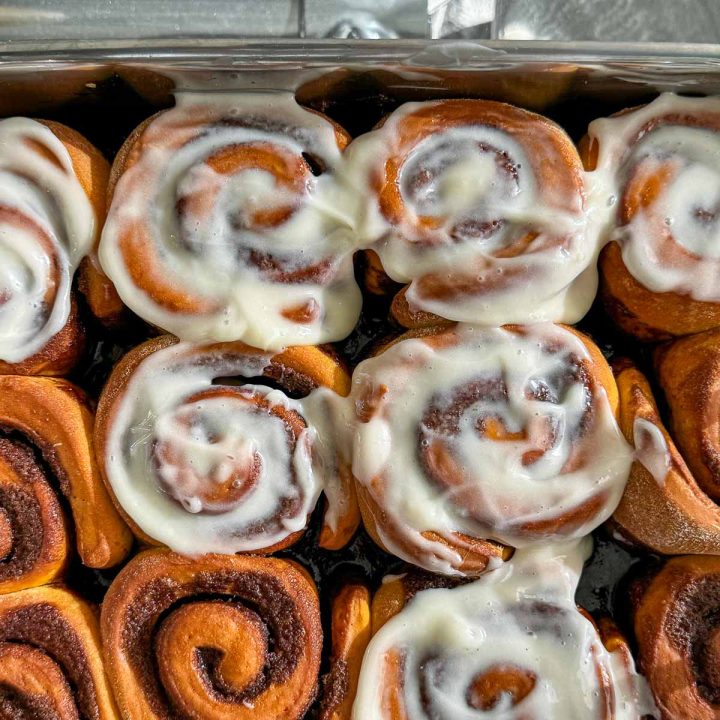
359	382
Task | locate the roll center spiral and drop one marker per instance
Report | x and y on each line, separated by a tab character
225	658
497	682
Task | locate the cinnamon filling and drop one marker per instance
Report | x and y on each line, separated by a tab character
274	644
21	521
497	682
42	626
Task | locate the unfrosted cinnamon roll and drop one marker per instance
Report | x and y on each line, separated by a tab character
46	454
52	205
688	371
662	507
50	658
657	169
223	447
512	644
677	630
227	223
469	441
218	637
480	208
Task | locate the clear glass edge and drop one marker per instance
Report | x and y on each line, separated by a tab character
266	54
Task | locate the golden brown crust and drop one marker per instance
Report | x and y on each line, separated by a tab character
375	279
51	659
298	368
645	314
252	622
689	373
34	537
406	316
124	157
350	627
669	515
677	633
53	416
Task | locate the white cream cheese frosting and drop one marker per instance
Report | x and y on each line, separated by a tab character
522	616
47	225
235	196
491	432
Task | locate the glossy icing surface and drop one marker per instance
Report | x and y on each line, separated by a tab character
658	174
231	199
432	658
47	226
490	432
485	216
203	464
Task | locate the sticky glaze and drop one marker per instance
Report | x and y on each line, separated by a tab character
204	465
651	449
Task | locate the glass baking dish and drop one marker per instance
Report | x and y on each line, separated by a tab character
105	90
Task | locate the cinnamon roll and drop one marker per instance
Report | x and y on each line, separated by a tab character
676	625
689	373
46	461
662	508
52	204
469	441
480	208
659	170
218	637
50	658
227	223
225	448
512	644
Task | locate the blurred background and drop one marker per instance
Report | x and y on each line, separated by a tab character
604	20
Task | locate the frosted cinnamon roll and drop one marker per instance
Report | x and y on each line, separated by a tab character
480	208
511	645
469	441
225	448
227	223
51	664
46	457
677	630
52	204
219	637
663	508
658	167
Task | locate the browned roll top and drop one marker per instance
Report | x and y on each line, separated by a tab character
46	464
663	508
216	637
50	659
678	632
